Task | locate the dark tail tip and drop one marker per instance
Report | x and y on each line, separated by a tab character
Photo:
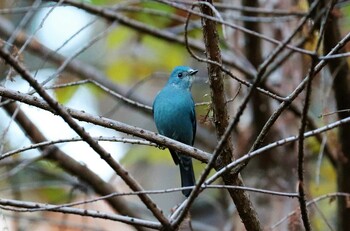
186	192
187	177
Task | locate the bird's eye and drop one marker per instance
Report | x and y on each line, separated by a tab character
180	75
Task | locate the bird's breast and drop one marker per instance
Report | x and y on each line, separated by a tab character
172	115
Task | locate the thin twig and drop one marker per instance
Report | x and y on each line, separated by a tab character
280	142
323	216
70	84
26	206
234	26
79	51
149	11
25	9
293	95
223	68
23	22
122	98
274	12
330	196
144	28
149	192
336	56
171	190
333	112
76	139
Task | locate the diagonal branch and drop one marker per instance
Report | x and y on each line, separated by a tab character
67	163
132	183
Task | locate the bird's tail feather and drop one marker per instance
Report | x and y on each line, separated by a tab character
187	174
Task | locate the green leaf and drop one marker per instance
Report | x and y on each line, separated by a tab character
63	95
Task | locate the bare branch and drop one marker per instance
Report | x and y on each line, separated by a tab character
26	206
317	199
75	139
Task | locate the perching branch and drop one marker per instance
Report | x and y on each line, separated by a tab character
108	123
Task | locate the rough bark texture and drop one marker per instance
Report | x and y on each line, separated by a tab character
221	119
339	69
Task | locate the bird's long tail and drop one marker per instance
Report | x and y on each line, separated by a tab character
187	174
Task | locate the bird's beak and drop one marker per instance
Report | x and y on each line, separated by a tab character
192	72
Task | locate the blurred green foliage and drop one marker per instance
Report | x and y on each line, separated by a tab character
151	19
63	95
149	154
138	56
326	183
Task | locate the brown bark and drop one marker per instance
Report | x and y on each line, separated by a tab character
221	120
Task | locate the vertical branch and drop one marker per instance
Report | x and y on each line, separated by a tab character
221	119
301	191
301	198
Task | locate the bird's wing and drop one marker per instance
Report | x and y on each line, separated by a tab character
175	156
194	121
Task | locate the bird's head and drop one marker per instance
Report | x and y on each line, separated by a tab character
182	77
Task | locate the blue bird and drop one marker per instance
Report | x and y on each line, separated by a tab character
175	117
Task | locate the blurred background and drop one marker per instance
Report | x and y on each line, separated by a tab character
83	59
